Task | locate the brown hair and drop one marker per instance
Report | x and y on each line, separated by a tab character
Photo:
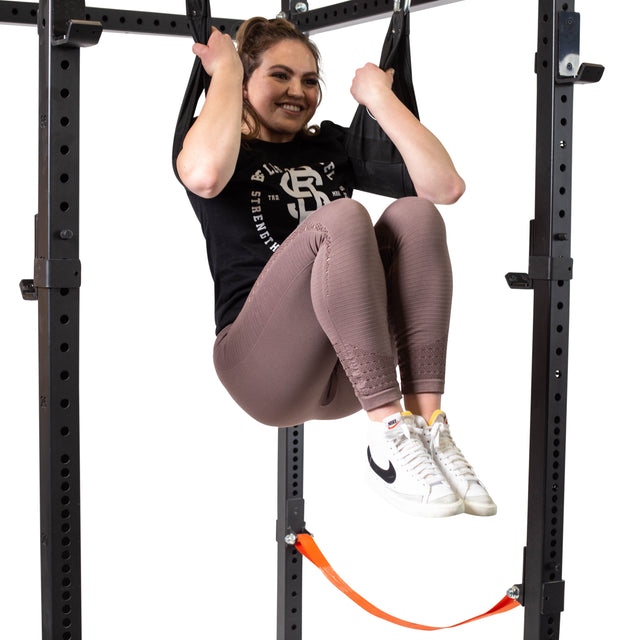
254	37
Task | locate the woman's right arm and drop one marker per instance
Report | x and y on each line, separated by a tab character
210	149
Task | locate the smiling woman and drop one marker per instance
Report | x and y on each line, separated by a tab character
301	273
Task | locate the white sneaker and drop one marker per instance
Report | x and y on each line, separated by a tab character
437	439
403	471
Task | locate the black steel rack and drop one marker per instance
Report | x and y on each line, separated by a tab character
65	26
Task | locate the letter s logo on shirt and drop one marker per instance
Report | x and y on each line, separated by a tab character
301	184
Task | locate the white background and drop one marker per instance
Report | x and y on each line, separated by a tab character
179	486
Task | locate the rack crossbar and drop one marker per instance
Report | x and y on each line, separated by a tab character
143	22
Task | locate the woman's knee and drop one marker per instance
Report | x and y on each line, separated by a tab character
412	217
344	215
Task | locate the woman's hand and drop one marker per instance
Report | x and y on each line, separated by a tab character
218	53
370	84
430	167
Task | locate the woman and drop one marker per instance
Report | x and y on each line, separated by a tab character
305	328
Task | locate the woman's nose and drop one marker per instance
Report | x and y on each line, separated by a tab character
295	88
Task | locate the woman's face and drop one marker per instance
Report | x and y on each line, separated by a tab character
284	90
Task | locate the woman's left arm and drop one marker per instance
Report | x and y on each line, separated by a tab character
431	169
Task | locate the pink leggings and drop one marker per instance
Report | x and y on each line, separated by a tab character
339	304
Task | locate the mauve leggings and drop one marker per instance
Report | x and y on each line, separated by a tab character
337	306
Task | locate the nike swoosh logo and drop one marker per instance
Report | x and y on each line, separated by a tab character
388	475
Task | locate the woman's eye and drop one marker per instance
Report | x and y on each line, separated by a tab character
280	76
312	82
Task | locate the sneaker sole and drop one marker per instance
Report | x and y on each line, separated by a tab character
483	510
425	510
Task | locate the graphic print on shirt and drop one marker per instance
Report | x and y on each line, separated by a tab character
302	190
301	184
260	224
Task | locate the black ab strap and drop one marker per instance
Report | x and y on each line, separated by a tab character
199	21
377	164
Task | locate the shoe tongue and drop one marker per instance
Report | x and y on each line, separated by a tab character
392	421
396	419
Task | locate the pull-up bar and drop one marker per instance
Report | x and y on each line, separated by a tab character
143	22
64	26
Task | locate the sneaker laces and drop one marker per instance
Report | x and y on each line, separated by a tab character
413	454
442	444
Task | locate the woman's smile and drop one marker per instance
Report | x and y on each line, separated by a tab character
294	108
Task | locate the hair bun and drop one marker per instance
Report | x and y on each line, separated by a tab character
250	29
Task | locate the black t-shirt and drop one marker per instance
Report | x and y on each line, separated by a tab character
274	187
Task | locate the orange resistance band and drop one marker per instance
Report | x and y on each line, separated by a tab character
309	549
